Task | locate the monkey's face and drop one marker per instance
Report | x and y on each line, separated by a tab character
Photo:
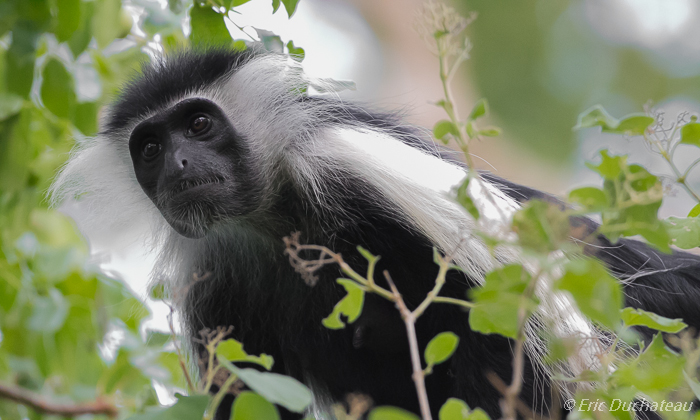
193	166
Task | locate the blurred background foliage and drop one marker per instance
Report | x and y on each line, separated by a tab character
72	334
541	63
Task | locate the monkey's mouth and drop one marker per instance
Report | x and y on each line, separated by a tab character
189	184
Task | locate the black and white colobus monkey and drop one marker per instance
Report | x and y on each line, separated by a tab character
222	155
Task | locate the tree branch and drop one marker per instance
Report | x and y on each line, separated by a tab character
38	403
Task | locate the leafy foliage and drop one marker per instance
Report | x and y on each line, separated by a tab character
71	334
67	332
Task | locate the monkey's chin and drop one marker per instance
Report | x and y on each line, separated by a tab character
189	230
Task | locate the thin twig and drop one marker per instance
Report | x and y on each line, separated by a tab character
409	320
433	294
38	403
180	357
522	408
680	178
453	301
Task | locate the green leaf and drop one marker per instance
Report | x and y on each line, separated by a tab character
595	116
366	254
497	302
444	127
454	409
80	39
275	5
85	118
236	3
541	226
465	200
20	59
248	406
478	414
633	317
690	134
391	413
490	132
277	389
595	291
239	45
270	40
297	53
610	166
349	306
590	198
58	90
186	408
471	131
157	291
10	104
106	23
49	312
695	211
657	369
440	348
684	233
232	350
176	6
68	19
480	109
447	106
157	339
208	26
633	125
290	6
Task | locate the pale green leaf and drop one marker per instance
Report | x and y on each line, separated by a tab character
465	200
481	108
106	23
58	89
350	306
591	198
10	104
277	389
684	233
186	408
233	351
440	348
444	127
490	132
208	26
633	317
597	294
290	6
249	406
454	409
391	413
690	134
695	211
595	116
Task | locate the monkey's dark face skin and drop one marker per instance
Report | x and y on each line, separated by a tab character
193	166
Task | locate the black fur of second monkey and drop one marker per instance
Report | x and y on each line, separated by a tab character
255	290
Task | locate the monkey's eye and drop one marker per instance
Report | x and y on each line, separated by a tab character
199	125
150	149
